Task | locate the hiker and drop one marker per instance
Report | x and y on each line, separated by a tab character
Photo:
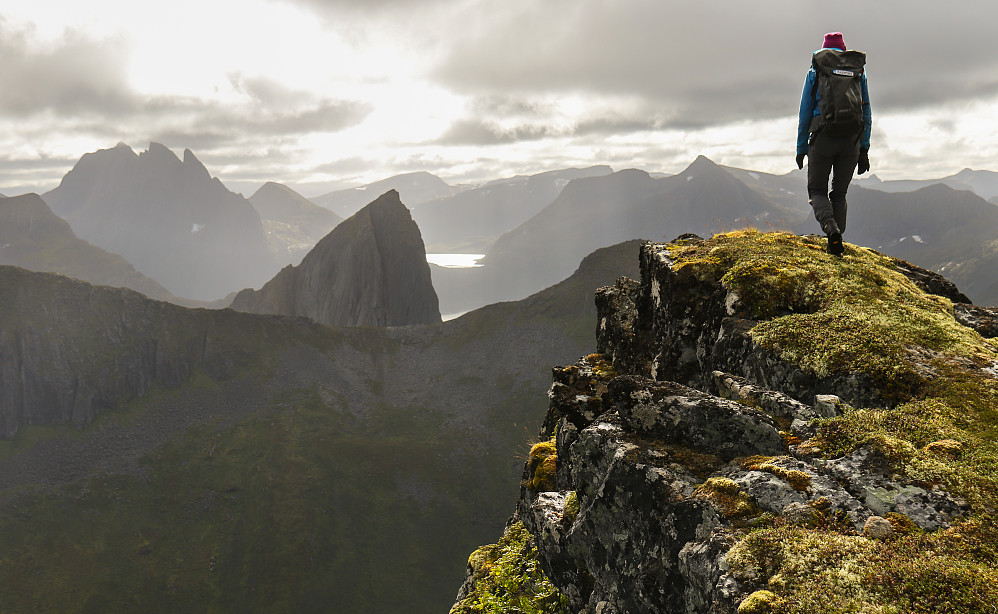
833	131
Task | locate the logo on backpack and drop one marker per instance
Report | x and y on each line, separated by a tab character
839	81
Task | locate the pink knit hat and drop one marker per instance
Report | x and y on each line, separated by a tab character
834	40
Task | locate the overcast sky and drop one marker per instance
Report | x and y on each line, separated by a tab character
319	94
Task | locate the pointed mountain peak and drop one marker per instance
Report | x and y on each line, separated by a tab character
158	152
705	168
388	205
272	188
191	161
391	198
370	270
702	164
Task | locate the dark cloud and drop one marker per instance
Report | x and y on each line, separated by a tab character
718	61
479	132
76	75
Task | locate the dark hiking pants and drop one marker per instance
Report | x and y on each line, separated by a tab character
835	156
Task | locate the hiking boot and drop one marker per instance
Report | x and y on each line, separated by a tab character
835	246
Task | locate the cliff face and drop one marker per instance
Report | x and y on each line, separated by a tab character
69	350
370	270
764	429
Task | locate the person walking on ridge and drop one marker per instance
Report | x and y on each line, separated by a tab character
833	132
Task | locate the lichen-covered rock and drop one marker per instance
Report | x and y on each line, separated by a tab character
677	414
770	429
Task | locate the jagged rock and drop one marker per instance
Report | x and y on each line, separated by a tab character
982	319
865	475
774	403
692	328
674	413
370	270
663	477
931	282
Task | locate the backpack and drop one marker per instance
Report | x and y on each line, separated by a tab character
839	74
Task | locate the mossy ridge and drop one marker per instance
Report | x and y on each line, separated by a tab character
827	314
819	571
858	314
508	578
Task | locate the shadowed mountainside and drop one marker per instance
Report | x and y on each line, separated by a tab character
33	237
271	464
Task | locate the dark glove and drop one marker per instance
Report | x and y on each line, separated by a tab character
864	161
800	160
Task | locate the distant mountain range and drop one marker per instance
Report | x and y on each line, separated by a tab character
957	226
413	188
982	183
169	218
470	221
603	210
371	270
152	209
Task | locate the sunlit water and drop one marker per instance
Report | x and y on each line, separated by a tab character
455	261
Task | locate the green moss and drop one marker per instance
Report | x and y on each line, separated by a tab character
797	479
542	465
601	366
759	602
858	314
507	578
572	509
818	571
728	497
830	315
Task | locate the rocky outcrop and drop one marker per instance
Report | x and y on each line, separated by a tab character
709	459
370	270
170	219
